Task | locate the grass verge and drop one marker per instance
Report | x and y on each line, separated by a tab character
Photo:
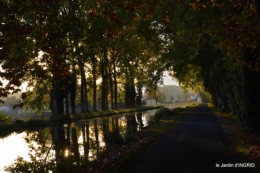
241	140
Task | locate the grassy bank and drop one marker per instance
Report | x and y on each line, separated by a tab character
9	125
78	116
242	140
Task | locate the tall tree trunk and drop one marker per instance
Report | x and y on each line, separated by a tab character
103	89
132	93
94	95
60	105
115	87
54	98
86	96
83	90
106	89
67	104
127	95
73	88
82	104
155	96
57	106
106	79
139	96
111	91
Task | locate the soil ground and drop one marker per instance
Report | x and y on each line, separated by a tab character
195	145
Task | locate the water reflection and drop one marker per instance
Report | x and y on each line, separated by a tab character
64	148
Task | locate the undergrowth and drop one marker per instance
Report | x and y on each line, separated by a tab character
242	140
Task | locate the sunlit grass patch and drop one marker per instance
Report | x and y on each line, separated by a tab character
218	113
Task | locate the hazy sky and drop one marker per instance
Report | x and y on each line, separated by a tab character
169	81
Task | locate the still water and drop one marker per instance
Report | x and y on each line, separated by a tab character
74	143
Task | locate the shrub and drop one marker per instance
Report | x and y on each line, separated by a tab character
5	118
179	109
33	123
162	112
143	102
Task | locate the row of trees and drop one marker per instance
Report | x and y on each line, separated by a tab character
59	45
211	44
216	47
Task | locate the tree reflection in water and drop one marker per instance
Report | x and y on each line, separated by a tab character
41	156
70	147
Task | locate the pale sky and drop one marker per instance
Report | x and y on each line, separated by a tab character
168	80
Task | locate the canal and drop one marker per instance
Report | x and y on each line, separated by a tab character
76	143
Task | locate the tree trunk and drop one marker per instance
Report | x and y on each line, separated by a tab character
67	104
115	87
60	104
106	80
57	106
73	90
54	99
111	91
155	95
127	95
83	90
103	89
86	95
82	104
139	96
106	89
132	93
94	96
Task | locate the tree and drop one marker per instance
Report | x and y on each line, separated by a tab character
37	100
171	98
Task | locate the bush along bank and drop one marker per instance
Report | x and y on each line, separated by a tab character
165	112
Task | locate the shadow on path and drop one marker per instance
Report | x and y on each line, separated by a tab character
194	145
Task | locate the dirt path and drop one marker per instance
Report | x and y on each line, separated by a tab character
195	145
